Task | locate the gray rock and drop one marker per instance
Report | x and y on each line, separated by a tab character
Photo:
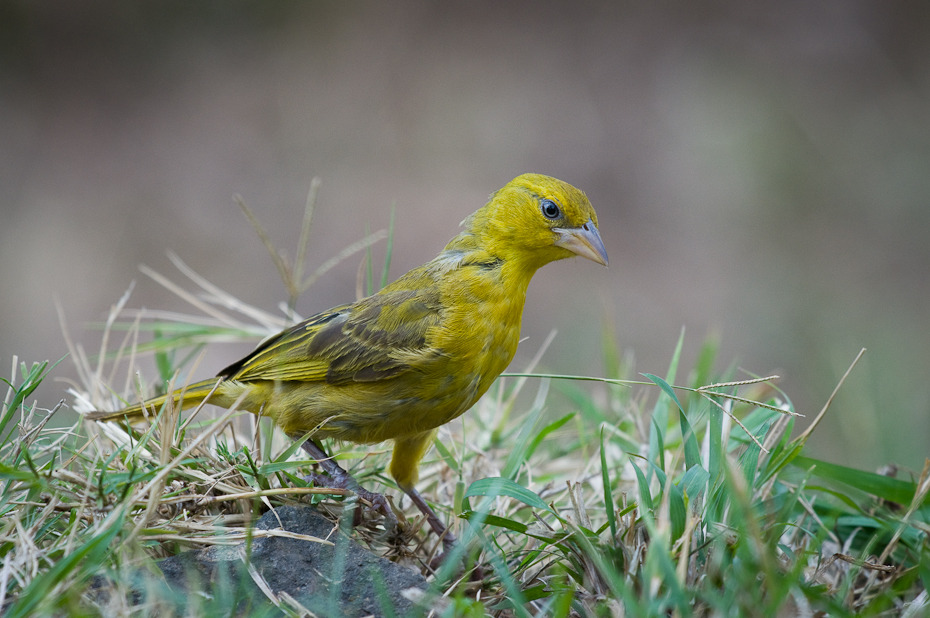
343	579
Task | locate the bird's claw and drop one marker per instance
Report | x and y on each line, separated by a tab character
449	543
377	501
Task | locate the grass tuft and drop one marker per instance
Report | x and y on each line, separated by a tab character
589	496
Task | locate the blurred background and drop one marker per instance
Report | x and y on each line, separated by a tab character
761	172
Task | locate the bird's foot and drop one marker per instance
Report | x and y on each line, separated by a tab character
337	478
374	500
440	559
462	566
442	531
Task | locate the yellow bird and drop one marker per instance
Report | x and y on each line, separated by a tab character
400	363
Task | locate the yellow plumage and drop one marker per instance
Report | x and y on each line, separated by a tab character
400	363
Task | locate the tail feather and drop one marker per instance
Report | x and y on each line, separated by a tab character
186	397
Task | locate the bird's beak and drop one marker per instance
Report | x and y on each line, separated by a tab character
584	241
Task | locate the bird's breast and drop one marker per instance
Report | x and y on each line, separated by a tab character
480	329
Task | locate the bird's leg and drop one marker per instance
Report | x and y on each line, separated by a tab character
408	451
340	479
441	530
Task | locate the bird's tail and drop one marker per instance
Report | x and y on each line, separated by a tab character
186	397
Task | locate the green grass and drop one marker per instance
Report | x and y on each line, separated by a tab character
622	494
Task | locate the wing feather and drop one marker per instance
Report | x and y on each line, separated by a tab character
376	338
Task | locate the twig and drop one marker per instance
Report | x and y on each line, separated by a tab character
807	432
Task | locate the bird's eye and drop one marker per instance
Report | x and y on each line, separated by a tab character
550	209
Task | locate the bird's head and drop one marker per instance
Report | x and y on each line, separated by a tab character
536	219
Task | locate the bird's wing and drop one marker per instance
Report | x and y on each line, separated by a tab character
375	338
